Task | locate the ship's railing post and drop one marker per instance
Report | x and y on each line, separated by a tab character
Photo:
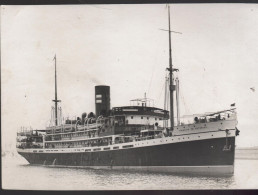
43	141
99	117
72	123
76	125
55	129
86	119
88	122
113	139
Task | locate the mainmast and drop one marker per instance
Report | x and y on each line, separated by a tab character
55	100
170	69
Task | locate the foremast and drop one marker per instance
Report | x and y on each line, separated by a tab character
55	100
170	69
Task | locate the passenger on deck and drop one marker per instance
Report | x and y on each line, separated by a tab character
156	126
165	133
202	120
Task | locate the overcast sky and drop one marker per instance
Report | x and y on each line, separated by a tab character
122	46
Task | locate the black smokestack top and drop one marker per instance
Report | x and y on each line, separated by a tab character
102	100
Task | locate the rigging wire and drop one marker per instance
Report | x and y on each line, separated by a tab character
168	94
161	92
177	99
150	80
158	48
165	96
186	108
52	115
154	65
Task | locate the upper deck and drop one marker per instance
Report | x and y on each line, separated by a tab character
127	121
141	110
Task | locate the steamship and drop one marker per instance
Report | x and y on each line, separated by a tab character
137	137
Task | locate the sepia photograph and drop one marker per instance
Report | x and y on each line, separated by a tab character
129	97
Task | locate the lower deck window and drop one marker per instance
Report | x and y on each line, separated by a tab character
128	146
96	149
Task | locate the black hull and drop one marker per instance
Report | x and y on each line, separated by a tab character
208	152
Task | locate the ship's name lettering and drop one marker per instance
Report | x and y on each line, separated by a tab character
194	128
184	130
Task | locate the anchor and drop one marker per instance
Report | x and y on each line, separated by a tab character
111	164
227	147
54	162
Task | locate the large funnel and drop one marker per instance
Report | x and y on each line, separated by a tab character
102	99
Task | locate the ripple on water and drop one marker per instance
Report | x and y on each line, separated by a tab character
24	176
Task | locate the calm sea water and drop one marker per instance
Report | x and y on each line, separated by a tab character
18	174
